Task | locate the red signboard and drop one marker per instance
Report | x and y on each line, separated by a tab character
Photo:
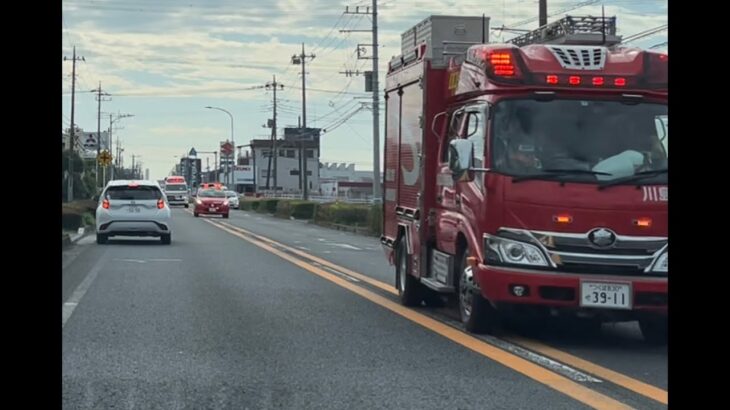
226	148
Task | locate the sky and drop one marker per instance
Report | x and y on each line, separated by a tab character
164	61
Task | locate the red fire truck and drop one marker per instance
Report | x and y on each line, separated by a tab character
529	176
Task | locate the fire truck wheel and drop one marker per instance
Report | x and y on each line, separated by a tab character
410	289
654	330
476	313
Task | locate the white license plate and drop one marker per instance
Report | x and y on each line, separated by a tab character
605	295
211	209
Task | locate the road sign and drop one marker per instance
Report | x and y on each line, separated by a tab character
226	148
104	158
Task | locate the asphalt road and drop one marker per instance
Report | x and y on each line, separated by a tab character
257	312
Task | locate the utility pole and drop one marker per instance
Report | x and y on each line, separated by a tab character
273	85
301	59
542	13
72	134
99	95
376	94
111	140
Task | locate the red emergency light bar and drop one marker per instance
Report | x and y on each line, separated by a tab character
574	80
506	64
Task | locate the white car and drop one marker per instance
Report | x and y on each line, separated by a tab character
133	208
232	199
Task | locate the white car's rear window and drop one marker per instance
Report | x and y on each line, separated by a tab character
137	193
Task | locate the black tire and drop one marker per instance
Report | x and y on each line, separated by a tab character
195	214
410	290
187	205
225	216
101	238
476	313
166	238
654	329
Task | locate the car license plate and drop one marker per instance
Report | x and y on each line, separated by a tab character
133	209
605	295
211	209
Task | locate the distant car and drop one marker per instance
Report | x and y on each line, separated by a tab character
232	199
133	208
211	202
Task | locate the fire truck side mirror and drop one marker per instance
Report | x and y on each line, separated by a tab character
461	154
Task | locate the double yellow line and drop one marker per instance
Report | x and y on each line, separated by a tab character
527	368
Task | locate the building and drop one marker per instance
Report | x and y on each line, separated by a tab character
299	151
288	164
343	172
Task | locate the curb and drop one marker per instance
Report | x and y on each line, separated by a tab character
68	240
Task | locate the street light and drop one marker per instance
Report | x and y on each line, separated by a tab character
231	180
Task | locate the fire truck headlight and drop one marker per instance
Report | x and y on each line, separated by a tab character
662	263
505	250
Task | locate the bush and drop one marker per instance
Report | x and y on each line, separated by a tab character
83	205
283	208
88	219
267	206
303	209
255	205
342	213
375	219
246	205
71	220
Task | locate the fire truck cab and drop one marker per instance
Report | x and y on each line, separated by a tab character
531	176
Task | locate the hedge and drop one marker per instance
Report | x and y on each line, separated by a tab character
375	219
343	213
267	206
283	209
303	209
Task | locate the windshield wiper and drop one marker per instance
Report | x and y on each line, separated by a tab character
633	178
547	173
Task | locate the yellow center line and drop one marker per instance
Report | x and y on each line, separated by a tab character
553	380
637	386
622	380
381	285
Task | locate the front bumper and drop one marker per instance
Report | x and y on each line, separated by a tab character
217	209
563	290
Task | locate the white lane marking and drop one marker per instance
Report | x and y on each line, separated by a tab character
165	260
336	272
73	301
344	245
554	365
130	260
321	239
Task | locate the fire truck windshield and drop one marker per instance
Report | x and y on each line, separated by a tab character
587	140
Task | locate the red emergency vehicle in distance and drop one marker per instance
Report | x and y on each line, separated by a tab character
529	178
